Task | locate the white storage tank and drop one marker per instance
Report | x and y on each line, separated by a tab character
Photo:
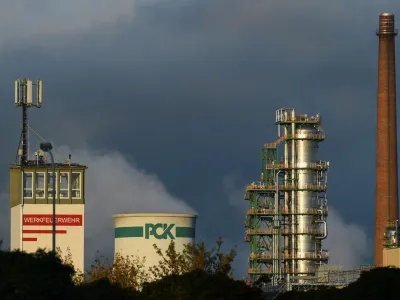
135	234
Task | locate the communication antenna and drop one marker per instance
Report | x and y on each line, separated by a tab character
24	99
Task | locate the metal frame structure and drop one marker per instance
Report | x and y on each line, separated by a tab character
288	207
392	235
333	278
24	98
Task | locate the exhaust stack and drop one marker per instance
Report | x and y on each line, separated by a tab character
386	201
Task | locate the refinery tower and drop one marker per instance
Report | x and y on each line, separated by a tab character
31	191
286	220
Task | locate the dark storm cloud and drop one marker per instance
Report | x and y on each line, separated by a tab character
189	89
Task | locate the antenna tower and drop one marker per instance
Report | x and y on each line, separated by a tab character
24	99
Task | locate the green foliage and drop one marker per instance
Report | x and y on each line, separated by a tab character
34	276
126	271
193	257
171	263
199	285
211	261
78	276
103	289
43	275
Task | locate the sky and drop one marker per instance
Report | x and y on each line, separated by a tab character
170	101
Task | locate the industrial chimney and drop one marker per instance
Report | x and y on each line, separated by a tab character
386	206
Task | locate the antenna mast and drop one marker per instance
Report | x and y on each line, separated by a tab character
23	98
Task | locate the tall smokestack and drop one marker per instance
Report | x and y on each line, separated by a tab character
386	206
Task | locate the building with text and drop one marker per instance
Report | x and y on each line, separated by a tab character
31	199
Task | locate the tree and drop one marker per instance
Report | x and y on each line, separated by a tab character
193	257
40	275
127	271
79	276
199	285
171	263
211	261
103	289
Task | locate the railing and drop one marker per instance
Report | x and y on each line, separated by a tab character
270	231
312	187
269	270
301	255
307	255
318	166
297	136
298	118
393	224
287	211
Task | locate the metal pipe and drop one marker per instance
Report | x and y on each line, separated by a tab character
54	200
47	147
277	225
294	202
325	230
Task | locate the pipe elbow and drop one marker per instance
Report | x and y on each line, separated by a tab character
325	235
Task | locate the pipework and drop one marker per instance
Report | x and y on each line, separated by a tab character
286	222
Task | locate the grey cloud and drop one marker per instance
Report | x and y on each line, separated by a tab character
25	20
190	88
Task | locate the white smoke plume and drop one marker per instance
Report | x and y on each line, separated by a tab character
347	242
114	185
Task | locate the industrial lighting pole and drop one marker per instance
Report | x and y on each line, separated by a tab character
47	147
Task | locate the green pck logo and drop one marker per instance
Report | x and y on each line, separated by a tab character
159	231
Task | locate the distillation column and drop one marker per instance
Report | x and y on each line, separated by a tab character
386	201
286	221
306	206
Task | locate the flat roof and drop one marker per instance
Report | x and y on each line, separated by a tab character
41	164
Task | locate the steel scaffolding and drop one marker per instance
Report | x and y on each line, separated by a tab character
286	220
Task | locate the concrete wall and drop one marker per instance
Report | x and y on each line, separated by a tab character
35	230
391	257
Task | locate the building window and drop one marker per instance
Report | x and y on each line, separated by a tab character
76	185
64	184
28	178
50	184
39	184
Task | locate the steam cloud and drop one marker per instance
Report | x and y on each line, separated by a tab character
347	243
113	186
